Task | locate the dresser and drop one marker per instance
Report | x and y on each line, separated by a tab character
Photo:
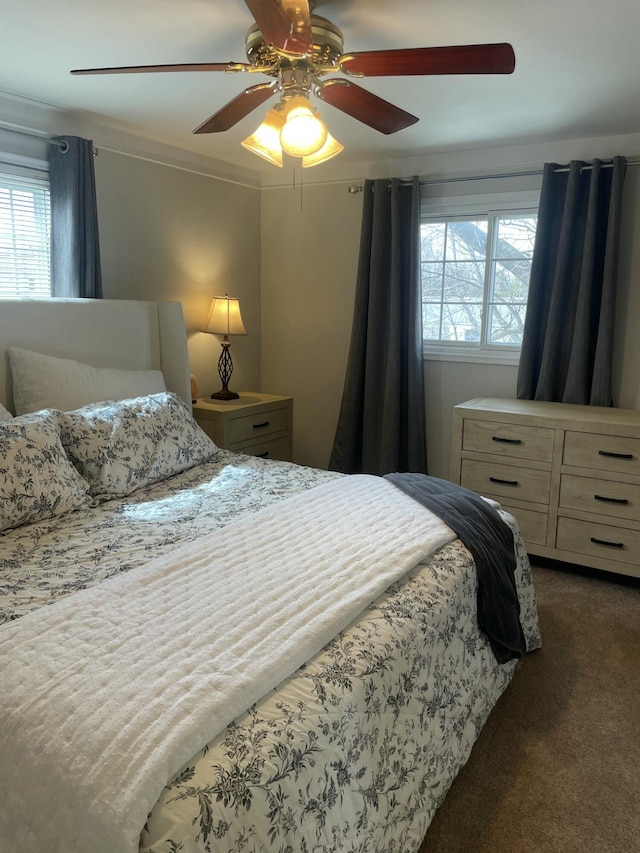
257	424
570	475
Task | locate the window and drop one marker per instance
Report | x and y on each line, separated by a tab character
24	236
475	280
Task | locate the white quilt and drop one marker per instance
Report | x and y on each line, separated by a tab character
106	694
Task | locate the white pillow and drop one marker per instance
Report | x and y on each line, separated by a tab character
121	446
43	382
4	414
37	481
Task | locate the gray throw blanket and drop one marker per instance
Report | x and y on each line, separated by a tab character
490	542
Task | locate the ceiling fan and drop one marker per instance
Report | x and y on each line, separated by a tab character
298	48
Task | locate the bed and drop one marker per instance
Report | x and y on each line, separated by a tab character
207	651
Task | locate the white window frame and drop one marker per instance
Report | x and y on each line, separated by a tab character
467	207
33	172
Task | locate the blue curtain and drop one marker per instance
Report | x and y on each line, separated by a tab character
75	244
381	426
567	341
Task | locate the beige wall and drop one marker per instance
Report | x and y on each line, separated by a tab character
172	234
309	262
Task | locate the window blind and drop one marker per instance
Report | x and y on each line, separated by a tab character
24	237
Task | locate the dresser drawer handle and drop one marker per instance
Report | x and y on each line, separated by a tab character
506	440
615	455
263	424
609	544
503	482
622	501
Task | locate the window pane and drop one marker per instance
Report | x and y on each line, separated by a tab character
464	281
516	236
431	316
432	240
511	281
506	323
511	269
466	240
24	237
432	274
461	322
466	275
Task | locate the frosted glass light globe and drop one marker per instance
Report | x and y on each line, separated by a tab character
303	132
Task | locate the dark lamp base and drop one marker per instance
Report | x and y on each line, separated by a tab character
225	394
225	369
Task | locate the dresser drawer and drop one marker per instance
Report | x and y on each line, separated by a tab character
513	440
506	481
598	540
605	452
533	525
607	497
258	425
570	474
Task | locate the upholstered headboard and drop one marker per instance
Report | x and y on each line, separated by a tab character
117	333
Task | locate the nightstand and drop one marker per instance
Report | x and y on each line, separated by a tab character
258	424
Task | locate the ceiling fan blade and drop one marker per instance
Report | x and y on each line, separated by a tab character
142	69
237	109
456	59
285	24
365	106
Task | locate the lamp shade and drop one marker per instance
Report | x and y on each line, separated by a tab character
265	142
224	317
330	148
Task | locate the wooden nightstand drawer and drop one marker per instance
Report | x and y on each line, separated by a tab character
258	424
506	481
513	440
275	448
605	497
263	423
616	453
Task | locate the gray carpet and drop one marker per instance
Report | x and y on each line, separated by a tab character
557	765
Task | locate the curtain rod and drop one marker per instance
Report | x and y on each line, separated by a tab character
358	188
63	146
352	188
37	134
45	137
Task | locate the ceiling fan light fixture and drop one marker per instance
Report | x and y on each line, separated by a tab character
265	142
330	148
303	132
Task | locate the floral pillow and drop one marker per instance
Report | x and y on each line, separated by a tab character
121	446
37	481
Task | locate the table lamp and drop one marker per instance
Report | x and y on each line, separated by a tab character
225	319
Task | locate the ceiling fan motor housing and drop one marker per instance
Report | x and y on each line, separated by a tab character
327	48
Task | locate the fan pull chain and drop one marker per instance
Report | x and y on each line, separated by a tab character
293	183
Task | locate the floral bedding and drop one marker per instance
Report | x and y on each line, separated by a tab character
355	751
41	562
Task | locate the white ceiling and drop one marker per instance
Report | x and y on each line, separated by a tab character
577	69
